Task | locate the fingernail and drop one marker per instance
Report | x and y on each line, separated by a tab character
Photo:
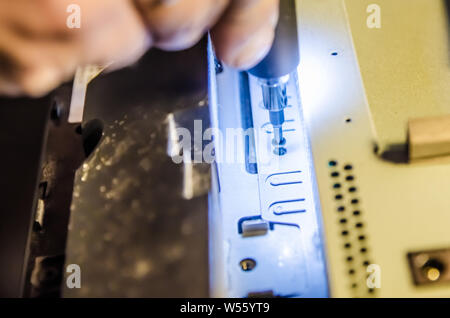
254	50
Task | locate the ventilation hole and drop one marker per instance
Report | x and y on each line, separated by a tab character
334	53
332	163
348	120
351	204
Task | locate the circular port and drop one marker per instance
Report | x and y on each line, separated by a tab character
433	269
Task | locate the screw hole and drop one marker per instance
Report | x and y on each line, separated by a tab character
280	151
247	264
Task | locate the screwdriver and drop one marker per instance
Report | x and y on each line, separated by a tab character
273	72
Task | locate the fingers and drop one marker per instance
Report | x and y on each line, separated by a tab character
245	33
242	36
115	33
179	24
38	51
34	66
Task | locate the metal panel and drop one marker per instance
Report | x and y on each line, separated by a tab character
401	208
266	229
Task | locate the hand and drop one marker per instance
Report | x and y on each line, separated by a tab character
242	30
38	51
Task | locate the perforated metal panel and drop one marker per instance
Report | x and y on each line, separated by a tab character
359	86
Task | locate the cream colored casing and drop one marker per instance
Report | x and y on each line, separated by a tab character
359	87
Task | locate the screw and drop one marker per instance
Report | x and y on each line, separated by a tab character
247	264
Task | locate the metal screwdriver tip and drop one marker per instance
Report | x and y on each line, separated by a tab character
278	138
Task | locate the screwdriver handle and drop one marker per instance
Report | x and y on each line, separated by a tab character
283	58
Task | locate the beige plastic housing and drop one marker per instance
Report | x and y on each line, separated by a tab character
359	87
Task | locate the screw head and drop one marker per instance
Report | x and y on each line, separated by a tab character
247	264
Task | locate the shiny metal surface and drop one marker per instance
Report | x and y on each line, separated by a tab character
269	219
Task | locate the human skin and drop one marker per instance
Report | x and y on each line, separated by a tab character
38	51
